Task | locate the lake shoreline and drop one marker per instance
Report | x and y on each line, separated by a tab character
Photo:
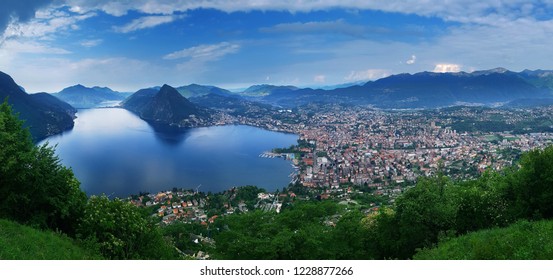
112	151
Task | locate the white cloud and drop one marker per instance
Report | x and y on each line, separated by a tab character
13	47
19	11
445	68
318	27
48	23
412	60
319	79
369	74
205	52
146	22
514	34
91	43
461	11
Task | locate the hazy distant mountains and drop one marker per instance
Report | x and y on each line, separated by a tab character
166	106
44	114
495	87
267	90
425	90
80	96
194	90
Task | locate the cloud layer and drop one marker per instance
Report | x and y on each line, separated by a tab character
19	11
461	11
298	42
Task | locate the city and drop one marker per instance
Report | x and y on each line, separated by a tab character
361	154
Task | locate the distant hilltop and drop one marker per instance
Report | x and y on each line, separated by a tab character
80	96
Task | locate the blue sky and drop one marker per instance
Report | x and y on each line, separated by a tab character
47	45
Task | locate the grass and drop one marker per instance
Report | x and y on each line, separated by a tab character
18	242
522	241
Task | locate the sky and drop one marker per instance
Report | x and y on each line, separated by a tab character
47	45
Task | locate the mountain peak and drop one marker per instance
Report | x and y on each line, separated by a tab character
80	86
169	91
166	106
166	87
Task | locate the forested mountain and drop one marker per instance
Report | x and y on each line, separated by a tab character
165	107
43	114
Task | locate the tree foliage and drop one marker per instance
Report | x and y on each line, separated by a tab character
306	230
120	231
531	187
35	188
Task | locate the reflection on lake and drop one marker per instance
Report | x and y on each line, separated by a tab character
112	151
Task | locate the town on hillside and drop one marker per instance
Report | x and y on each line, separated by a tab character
363	158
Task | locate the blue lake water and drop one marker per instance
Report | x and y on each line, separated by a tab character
112	151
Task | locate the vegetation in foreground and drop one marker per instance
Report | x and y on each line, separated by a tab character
36	190
522	241
19	242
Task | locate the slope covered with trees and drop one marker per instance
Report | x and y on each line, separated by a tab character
44	115
37	191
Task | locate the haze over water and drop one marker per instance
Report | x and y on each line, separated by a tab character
112	151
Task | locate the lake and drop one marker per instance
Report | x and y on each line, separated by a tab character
113	151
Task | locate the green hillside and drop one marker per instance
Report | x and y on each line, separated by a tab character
521	241
18	242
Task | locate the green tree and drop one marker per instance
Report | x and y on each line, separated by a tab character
349	237
35	188
423	214
481	204
119	231
383	234
181	233
531	187
296	233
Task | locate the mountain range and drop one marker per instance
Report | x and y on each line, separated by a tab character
423	90
46	115
80	96
43	114
494	87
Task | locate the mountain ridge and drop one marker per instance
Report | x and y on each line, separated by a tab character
424	90
44	115
80	96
